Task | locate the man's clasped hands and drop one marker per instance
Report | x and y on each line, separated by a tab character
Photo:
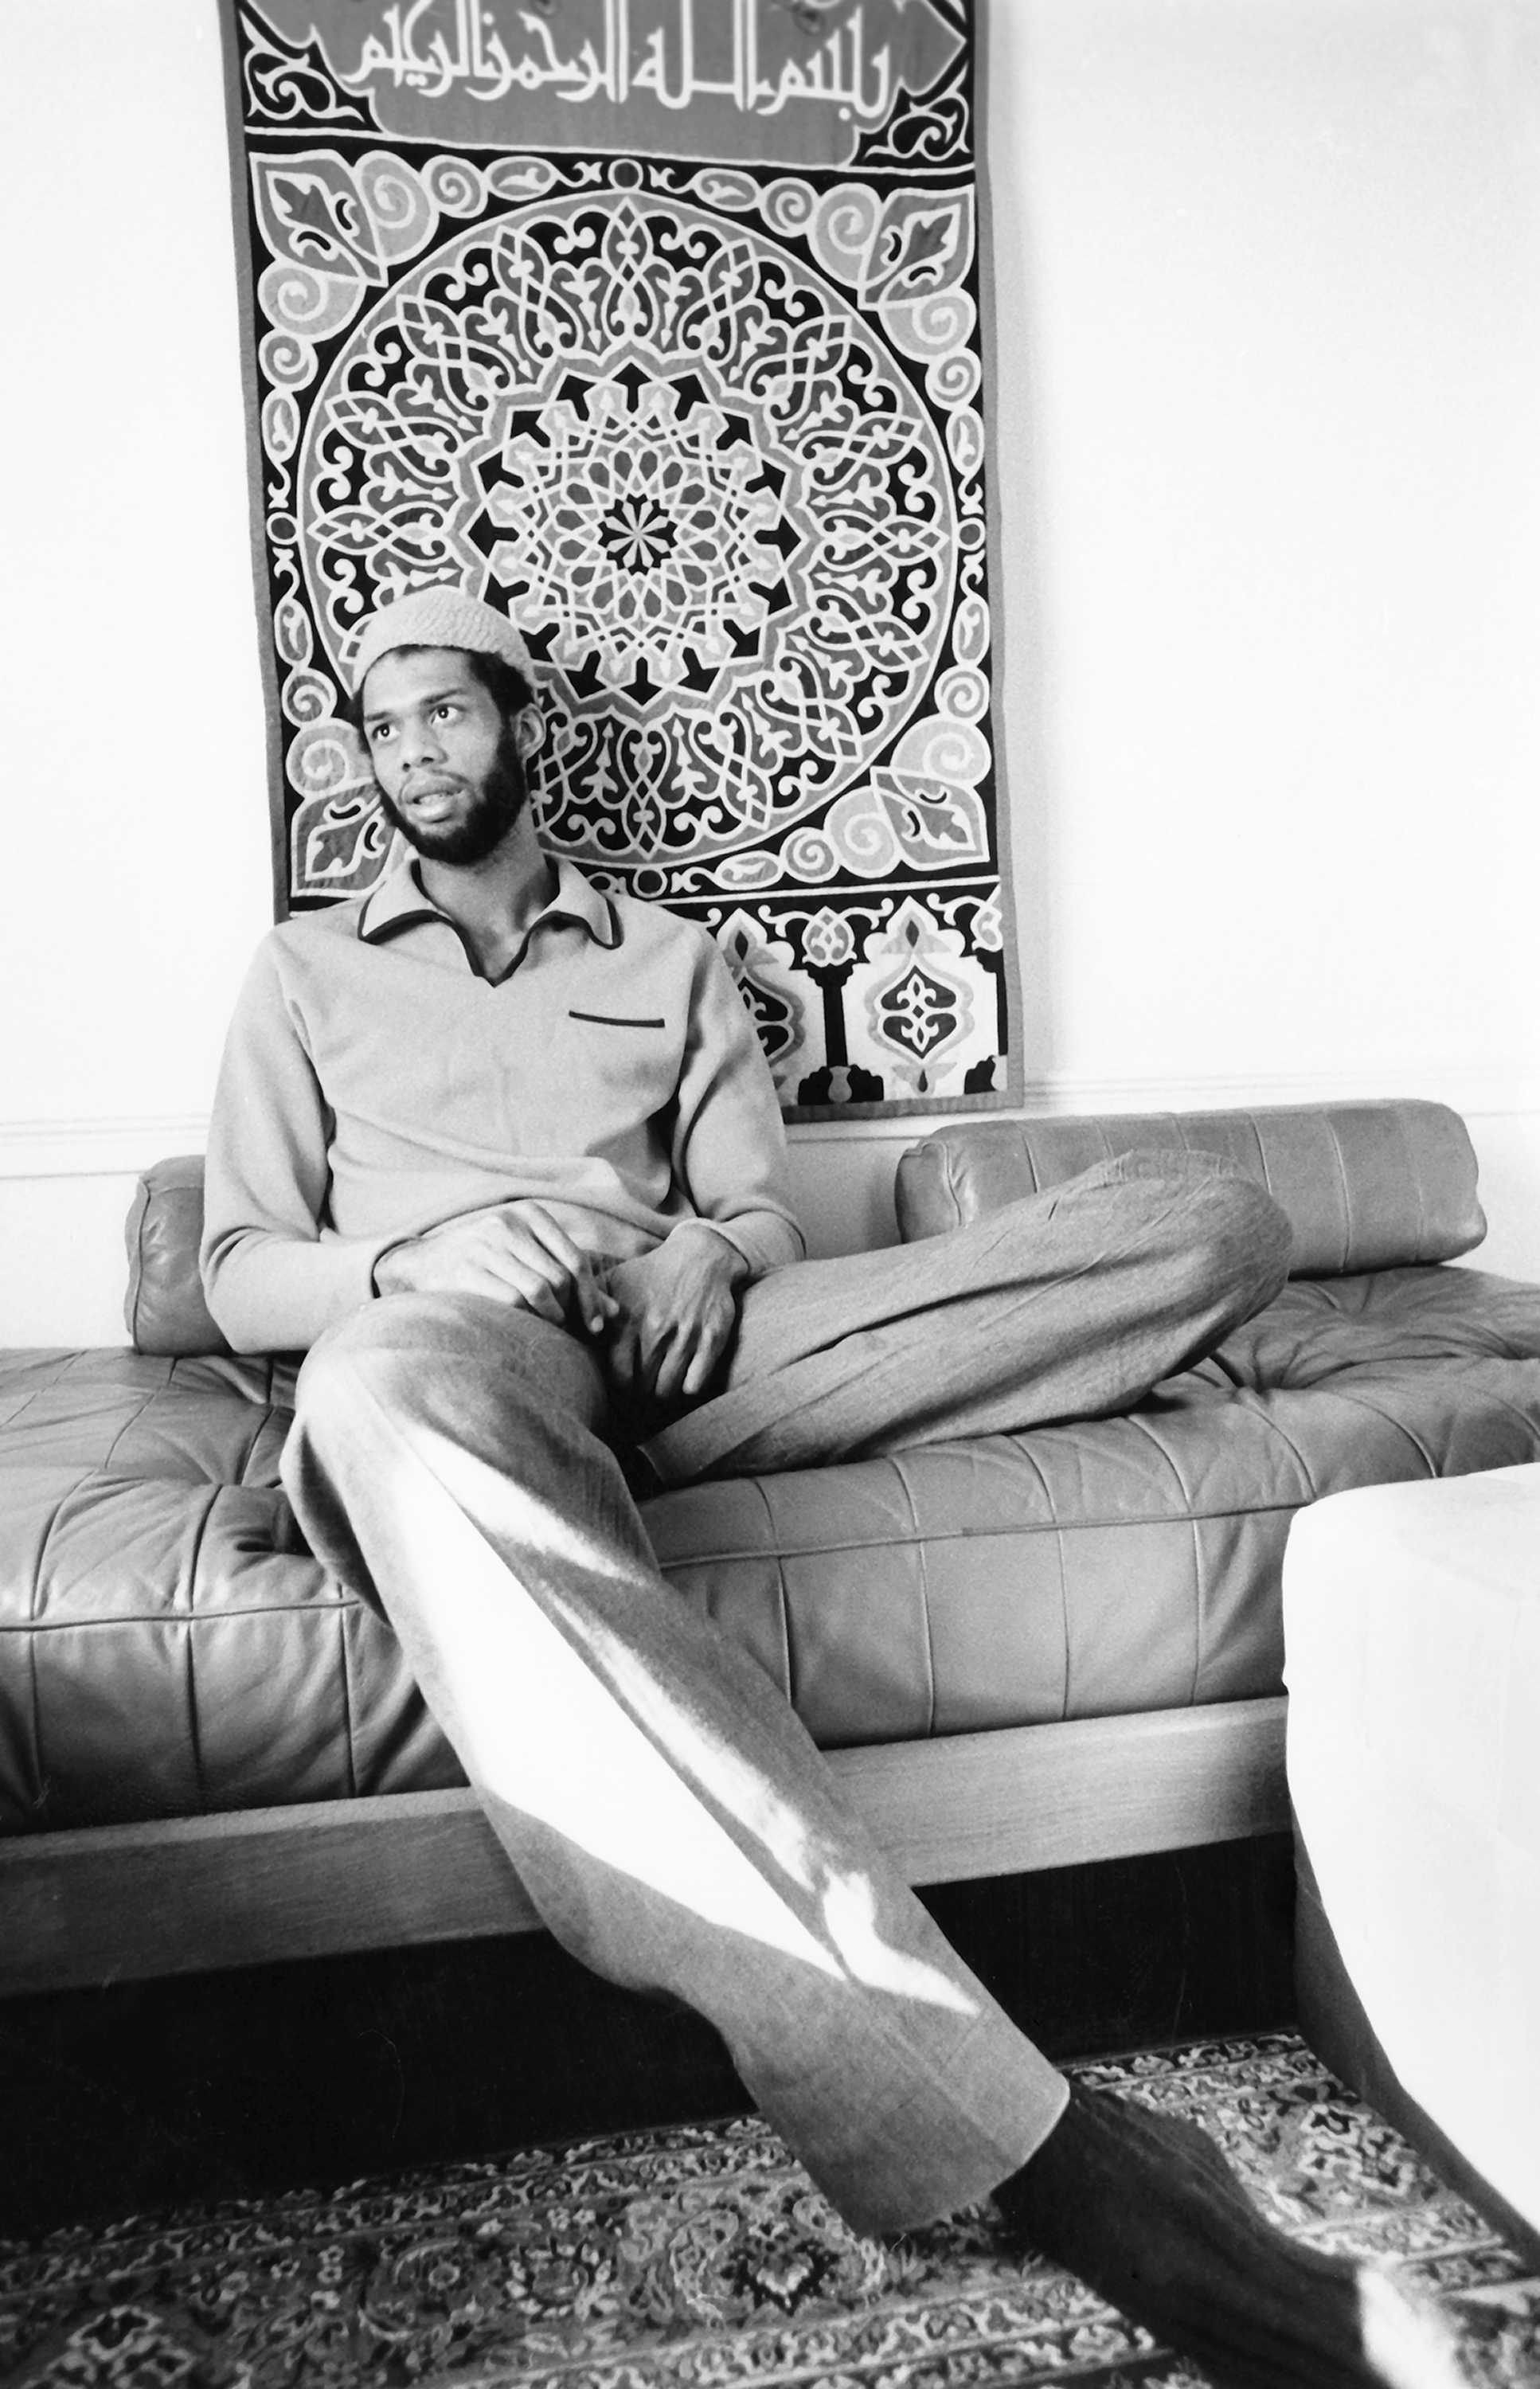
663	1320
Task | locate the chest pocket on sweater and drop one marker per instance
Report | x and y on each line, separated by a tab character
620	1068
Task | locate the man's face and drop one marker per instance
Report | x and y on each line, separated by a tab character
451	775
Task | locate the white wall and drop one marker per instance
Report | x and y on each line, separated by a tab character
136	872
1268	442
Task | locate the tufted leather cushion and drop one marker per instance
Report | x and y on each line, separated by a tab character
167	1645
1366	1186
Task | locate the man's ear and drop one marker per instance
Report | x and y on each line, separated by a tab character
529	731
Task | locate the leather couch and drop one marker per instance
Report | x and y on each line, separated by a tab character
1022	1650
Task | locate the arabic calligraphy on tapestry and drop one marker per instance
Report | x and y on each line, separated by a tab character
685	61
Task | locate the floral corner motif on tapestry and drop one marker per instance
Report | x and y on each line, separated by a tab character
654	322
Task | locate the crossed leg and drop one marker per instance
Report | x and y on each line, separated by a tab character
1069	1304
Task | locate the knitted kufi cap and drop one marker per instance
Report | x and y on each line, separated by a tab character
442	617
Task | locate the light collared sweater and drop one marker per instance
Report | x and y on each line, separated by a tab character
374	1086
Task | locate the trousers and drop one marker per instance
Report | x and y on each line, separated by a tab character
451	1460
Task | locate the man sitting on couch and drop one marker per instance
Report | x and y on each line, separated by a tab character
501	1154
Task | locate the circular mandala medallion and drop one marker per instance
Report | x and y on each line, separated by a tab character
689	469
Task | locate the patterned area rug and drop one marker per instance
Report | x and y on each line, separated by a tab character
703	2256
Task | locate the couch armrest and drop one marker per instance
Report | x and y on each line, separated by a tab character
164	1310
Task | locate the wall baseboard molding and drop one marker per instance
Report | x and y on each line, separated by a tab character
121	1147
98	1148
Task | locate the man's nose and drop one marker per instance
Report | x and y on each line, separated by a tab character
421	744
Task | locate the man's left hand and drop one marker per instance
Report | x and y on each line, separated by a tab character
678	1310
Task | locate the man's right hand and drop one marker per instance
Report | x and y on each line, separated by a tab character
520	1253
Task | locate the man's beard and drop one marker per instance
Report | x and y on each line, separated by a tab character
501	798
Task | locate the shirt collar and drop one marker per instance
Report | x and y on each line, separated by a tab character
399	899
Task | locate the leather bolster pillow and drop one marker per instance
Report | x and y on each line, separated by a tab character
1366	1186
164	1310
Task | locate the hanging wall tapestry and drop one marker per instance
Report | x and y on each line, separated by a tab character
655	323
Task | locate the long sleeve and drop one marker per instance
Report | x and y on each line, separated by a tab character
728	1145
274	1276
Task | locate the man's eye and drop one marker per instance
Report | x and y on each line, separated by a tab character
379	734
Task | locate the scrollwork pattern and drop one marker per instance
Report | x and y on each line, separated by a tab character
736	563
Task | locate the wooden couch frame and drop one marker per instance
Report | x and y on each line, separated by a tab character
101	1904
